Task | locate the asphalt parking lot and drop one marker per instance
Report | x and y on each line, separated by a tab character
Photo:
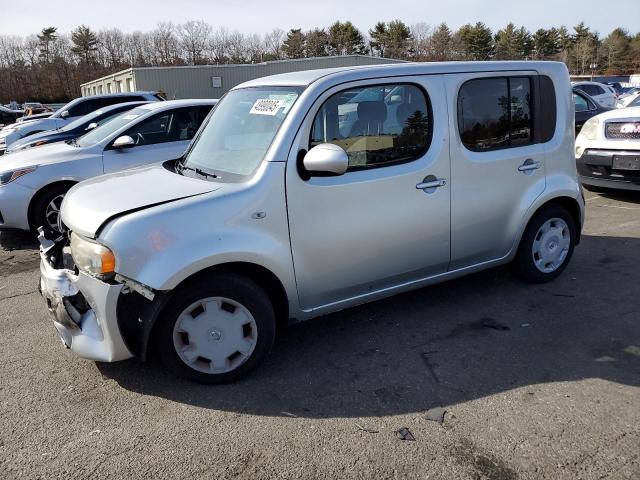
537	382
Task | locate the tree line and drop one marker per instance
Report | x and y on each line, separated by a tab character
50	66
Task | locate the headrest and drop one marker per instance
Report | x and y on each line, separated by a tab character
372	111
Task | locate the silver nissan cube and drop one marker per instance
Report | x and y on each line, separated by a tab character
310	192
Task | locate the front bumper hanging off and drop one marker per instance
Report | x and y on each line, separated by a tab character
83	310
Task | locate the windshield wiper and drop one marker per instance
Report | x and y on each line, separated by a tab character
180	167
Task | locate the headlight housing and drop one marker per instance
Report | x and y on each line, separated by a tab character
590	129
91	257
11	175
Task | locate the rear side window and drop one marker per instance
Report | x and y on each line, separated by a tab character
495	113
546	113
377	125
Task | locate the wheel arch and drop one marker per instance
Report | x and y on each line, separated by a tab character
568	203
39	194
141	341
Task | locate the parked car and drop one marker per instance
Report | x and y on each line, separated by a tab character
585	108
628	100
629	91
33	182
286	207
71	111
601	93
608	150
36	116
8	116
73	129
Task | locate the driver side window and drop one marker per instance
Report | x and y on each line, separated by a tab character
377	125
174	126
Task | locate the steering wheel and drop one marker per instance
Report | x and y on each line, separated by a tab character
140	140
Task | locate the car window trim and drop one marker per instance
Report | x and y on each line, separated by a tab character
372	85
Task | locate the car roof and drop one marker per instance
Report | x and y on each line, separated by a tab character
170	104
307	77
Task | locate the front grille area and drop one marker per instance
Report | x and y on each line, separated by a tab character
622	130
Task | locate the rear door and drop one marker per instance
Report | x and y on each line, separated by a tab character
161	137
497	165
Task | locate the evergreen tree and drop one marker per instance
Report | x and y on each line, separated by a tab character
345	39
294	44
317	43
45	39
85	43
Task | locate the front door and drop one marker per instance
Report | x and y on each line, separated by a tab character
371	228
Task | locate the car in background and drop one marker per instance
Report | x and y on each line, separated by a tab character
73	129
585	108
36	116
628	100
608	150
9	116
71	111
33	182
601	93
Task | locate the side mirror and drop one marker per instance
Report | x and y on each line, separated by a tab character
91	126
64	114
124	141
327	159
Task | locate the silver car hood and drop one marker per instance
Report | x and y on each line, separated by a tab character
90	204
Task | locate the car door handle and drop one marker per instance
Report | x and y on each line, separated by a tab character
431	182
528	166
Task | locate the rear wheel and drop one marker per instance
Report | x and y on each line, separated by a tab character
217	329
547	245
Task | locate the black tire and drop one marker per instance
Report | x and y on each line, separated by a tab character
39	212
234	287
524	263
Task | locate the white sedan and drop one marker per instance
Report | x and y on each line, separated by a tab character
34	182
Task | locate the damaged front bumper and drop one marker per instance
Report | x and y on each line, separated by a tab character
83	310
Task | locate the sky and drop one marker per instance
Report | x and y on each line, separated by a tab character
22	17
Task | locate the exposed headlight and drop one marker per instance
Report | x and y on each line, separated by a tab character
10	176
91	257
590	129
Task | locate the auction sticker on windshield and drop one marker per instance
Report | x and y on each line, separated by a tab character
266	106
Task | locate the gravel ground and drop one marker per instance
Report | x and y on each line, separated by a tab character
536	381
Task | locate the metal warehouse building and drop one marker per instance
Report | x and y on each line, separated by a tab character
212	81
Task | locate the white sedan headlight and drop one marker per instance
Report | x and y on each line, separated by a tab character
11	175
590	129
91	257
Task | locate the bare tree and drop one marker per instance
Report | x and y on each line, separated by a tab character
273	43
165	43
194	38
112	48
236	47
218	45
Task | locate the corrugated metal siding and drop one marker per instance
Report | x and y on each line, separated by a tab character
196	82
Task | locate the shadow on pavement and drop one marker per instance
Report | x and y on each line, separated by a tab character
453	342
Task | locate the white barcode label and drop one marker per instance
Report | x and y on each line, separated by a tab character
266	106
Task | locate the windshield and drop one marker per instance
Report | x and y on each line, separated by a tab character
103	131
240	130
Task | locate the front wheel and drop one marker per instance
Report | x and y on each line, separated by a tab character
217	329
46	209
546	246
